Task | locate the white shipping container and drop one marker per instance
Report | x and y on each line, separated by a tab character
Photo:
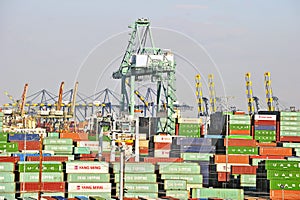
92	145
162	153
162	138
189	120
89	187
265	117
221	167
87	167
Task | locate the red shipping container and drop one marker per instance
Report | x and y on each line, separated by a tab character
144	150
222	176
290	138
280	151
240	142
265	122
28	145
243	169
154	160
241	159
9	159
284	194
86	159
162	146
48	158
45	186
48	198
91	155
239	132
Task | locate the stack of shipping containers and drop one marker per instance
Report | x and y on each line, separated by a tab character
140	180
190	172
7	180
88	178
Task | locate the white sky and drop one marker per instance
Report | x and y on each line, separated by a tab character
46	42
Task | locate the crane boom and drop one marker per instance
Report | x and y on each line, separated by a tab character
249	93
59	102
212	93
22	105
72	109
269	92
199	95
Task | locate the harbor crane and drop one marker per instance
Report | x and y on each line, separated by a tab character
212	93
270	99
250	98
141	61
202	101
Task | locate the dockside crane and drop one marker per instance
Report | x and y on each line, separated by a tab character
212	93
252	101
199	95
22	104
140	61
269	92
59	101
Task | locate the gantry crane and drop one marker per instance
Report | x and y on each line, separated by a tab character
252	101
269	92
59	101
212	93
139	61
200	99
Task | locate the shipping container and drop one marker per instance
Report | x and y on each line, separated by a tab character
88	178
170	184
7	166
277	184
242	150
23	137
106	195
243	169
284	194
190	178
29	166
178	168
57	141
137	178
239	142
193	141
89	187
7	177
87	167
46	177
280	151
196	156
139	187
45	186
236	194
135	168
179	194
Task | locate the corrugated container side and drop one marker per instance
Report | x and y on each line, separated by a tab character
241	159
281	151
45	186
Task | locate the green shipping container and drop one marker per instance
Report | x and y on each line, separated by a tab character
53	135
135	168
58	141
196	156
82	150
178	168
7	188
59	148
46	166
140	187
265	138
289	118
170	184
88	178
246	137
289	128
190	178
30	195
105	195
248	180
194	185
3	137
292	145
289	133
46	177
7	177
141	195
240	122
179	194
282	164
137	178
234	194
239	117
7	195
9	147
7	166
283	174
290	123
265	133
293	159
242	150
239	127
277	184
289	114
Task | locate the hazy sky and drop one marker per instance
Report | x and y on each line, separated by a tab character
46	42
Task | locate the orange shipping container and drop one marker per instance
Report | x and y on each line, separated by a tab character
239	132
48	158
155	160
240	159
290	138
162	146
74	136
240	142
243	169
281	151
284	194
222	176
267	144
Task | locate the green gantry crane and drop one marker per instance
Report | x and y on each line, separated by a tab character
142	59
